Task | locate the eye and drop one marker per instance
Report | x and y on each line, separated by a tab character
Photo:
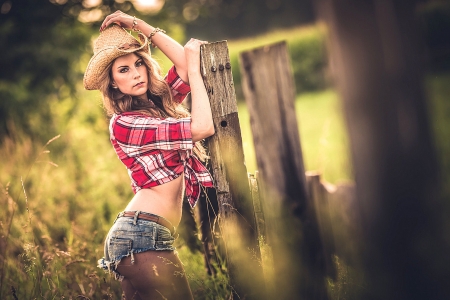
123	70
139	63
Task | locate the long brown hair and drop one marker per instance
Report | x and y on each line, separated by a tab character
160	106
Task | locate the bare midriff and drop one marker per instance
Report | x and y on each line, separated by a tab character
163	200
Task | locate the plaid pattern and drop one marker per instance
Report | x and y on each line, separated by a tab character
178	87
156	151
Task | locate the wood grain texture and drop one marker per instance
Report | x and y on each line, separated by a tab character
291	224
219	83
236	215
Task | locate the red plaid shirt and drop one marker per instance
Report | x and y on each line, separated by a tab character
156	151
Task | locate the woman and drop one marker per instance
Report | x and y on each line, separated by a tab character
158	142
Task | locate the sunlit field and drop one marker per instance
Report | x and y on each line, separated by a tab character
59	199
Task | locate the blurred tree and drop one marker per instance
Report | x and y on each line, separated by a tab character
221	19
39	42
42	43
379	71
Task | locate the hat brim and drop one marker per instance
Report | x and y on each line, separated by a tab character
100	61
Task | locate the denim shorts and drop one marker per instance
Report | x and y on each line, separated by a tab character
128	236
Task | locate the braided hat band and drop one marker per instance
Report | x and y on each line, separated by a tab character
112	43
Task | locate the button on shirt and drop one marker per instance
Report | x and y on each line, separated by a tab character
156	151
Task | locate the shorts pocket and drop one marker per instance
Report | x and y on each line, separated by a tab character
164	239
119	247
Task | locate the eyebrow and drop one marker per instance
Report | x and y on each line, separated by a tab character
140	58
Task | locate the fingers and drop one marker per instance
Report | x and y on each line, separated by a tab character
119	18
192	40
106	21
192	53
194	44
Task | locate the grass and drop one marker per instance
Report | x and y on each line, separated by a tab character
322	133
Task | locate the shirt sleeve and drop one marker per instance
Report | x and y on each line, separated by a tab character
178	87
138	134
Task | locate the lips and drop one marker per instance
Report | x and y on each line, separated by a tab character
139	84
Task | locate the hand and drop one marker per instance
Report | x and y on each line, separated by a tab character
192	54
119	18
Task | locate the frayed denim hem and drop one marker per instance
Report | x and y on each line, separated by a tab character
111	266
127	238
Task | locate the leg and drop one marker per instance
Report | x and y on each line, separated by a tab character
129	290
154	275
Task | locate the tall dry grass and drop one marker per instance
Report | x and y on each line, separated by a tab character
58	201
44	252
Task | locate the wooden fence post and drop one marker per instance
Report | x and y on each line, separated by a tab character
291	224
257	206
236	215
378	59
319	196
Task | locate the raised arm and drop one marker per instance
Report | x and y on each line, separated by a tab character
171	48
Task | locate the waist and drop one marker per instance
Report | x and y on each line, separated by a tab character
140	215
164	200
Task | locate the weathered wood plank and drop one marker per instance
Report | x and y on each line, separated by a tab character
216	68
345	220
291	223
236	215
318	194
257	206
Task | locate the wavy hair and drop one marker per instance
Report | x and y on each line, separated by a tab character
160	106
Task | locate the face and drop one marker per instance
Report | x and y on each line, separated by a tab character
129	74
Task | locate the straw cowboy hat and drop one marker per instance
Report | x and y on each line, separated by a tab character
112	43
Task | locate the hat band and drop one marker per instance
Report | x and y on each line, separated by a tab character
128	46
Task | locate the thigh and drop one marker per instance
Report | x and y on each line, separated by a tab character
155	275
128	289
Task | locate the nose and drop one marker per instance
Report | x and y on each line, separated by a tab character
136	73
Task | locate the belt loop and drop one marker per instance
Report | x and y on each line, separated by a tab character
118	216
136	216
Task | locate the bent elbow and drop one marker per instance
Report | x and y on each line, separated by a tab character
203	132
211	130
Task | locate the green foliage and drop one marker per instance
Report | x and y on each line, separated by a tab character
309	61
212	20
40	46
306	49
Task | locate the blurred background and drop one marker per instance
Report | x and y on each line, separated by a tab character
61	182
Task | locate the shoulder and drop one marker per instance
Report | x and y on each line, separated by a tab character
178	87
128	121
130	117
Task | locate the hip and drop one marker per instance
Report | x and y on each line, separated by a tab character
129	236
